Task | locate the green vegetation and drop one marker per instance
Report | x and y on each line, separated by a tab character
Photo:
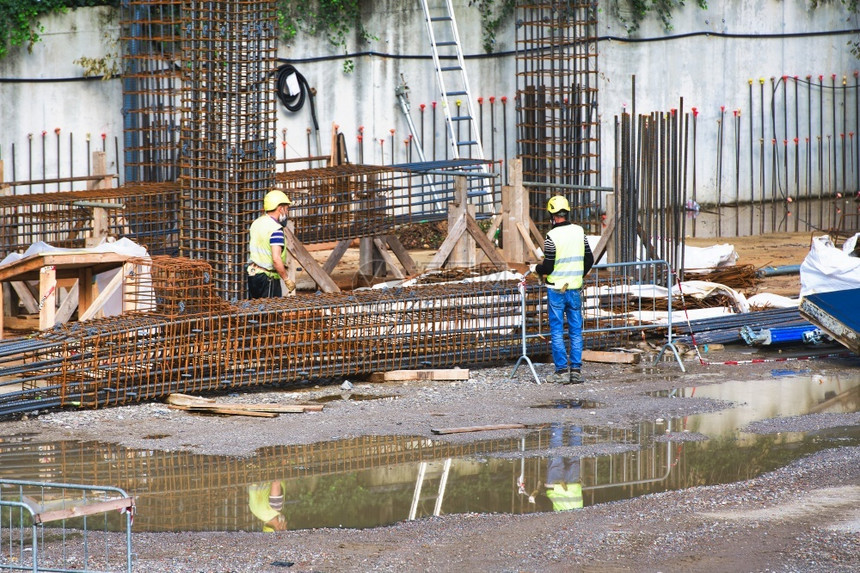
20	19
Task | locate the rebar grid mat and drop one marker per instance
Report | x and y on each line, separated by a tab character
338	202
178	340
145	213
151	35
558	128
228	131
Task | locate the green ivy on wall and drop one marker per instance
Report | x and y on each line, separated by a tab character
337	19
494	13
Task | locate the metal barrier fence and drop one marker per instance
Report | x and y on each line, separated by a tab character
619	301
48	526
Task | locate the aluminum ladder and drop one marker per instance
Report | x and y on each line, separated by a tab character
456	97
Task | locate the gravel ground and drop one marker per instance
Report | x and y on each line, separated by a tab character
803	517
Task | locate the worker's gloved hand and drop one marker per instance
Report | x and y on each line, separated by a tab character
291	286
533	268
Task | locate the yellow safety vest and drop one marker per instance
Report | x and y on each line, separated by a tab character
261	250
569	266
565	499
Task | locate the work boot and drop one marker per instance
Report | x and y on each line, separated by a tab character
557	377
575	376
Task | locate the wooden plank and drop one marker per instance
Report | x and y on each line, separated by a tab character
215	409
47	297
26	297
82	510
440	431
271	408
187	399
610	357
22	322
68	306
405	375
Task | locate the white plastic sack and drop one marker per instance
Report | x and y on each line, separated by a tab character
827	268
709	257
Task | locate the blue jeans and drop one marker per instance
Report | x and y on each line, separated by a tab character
561	305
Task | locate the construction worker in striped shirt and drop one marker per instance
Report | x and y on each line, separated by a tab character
567	259
267	245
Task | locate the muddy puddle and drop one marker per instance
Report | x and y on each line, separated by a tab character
377	480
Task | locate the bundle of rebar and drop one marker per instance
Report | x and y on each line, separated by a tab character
651	204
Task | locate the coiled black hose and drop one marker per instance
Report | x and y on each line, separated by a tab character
294	101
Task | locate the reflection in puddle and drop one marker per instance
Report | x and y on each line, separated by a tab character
377	480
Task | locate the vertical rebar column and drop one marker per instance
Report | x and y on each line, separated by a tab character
228	131
150	33
557	112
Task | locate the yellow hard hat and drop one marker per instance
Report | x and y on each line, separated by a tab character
557	203
274	199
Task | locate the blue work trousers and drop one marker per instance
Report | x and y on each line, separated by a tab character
561	306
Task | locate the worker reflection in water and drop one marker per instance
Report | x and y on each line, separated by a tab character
267	247
266	501
567	259
562	489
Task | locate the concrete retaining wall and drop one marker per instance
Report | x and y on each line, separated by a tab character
707	71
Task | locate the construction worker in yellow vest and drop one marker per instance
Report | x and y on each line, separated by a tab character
562	488
268	254
266	501
567	259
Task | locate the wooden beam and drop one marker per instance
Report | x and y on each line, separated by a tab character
439	431
68	306
447	245
485	244
389	260
528	240
27	299
336	255
402	254
99	302
225	410
309	264
47	297
604	240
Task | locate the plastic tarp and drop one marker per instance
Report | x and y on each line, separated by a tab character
827	268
